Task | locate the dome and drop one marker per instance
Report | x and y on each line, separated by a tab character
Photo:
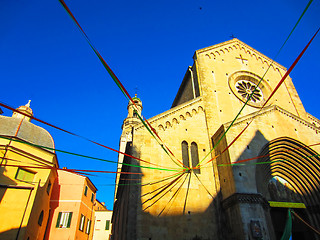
135	98
22	128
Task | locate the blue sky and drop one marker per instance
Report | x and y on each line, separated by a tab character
149	45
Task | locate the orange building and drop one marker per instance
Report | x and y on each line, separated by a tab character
72	203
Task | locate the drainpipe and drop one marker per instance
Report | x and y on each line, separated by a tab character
192	80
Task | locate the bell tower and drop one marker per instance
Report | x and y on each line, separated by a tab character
134	110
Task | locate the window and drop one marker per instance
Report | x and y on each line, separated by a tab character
40	218
135	114
185	154
195	157
48	187
82	220
24	175
85	190
88	227
64	220
98	224
92	197
107	224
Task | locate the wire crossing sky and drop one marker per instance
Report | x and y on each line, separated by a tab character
44	59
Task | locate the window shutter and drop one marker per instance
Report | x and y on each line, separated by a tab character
40	219
107	224
85	190
69	220
88	226
58	221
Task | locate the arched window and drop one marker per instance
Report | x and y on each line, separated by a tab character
185	154
135	114
195	156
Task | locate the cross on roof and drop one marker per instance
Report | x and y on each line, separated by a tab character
136	89
242	59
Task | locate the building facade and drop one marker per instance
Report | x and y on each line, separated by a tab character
102	224
72	207
26	177
228	196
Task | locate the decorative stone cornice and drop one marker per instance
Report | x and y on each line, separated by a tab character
251	198
175	115
228	46
315	121
273	108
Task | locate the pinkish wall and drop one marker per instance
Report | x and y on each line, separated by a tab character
68	196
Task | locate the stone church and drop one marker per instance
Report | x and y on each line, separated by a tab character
196	183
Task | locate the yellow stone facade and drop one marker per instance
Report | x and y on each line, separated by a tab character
220	202
26	178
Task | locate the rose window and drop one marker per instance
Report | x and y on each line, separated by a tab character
246	88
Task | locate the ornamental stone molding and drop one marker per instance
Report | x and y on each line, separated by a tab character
314	120
270	109
219	50
182	117
175	115
250	198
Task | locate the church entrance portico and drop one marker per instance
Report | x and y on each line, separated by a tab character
287	181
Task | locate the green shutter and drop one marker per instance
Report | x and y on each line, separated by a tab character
107	224
82	222
69	220
92	197
88	226
58	221
40	219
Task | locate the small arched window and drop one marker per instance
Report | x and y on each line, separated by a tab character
195	157
185	154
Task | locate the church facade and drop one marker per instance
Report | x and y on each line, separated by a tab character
200	183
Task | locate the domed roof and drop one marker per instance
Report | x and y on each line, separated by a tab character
9	126
19	126
136	99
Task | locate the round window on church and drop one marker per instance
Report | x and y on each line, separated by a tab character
246	85
249	90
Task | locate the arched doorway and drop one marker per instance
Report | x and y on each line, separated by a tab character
288	171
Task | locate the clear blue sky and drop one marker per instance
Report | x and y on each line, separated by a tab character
149	45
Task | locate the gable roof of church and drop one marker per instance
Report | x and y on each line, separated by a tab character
227	46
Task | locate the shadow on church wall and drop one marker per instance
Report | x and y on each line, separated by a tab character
188	225
265	179
287	172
